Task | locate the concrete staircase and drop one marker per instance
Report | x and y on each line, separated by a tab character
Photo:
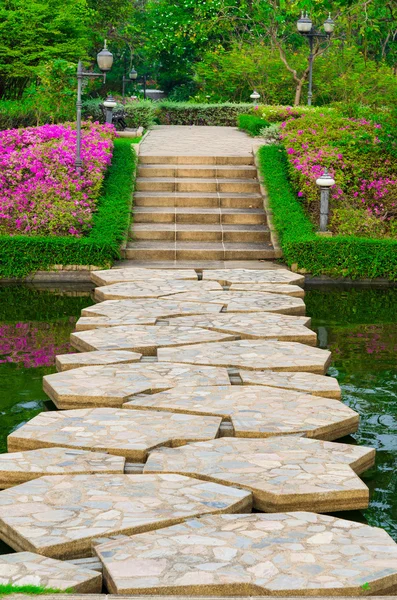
198	208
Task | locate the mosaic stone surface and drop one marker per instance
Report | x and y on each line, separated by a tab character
144	338
110	276
251	354
288	290
17	467
114	384
153	288
273	276
58	516
65	362
28	568
283	473
87	323
282	554
247	302
254	326
126	433
259	411
310	383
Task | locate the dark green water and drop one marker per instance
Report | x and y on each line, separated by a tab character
358	325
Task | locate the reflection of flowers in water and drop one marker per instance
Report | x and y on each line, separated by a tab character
32	344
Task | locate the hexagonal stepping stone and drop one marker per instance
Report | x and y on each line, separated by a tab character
139	312
254	326
144	338
65	362
110	276
131	434
247	302
251	354
115	384
18	467
28	568
288	290
58	516
259	411
283	473
282	554
273	276
309	383
152	288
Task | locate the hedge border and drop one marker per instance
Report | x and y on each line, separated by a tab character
307	252
21	256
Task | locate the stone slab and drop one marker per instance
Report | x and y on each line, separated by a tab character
247	302
274	276
282	554
115	384
131	434
258	411
18	467
254	326
28	568
145	339
58	516
283	473
110	276
256	355
309	383
270	288
65	362
153	288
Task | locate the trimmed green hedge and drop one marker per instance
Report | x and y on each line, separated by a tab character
252	124
34	590
188	113
336	256
23	255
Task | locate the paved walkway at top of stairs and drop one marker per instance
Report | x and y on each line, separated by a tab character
182	140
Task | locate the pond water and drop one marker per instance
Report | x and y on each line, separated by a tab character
359	326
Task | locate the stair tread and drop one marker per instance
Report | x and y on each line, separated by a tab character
198	167
198	210
159	245
196	179
198	227
197	195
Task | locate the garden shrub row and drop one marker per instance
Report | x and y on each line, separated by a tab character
22	255
336	256
189	113
252	124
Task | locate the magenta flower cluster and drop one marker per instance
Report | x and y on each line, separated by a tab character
40	191
30	344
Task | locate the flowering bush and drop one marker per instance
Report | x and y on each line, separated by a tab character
360	156
40	190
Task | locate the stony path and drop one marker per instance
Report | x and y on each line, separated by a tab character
197	397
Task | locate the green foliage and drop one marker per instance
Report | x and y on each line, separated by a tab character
21	255
140	114
337	256
252	124
178	113
34	590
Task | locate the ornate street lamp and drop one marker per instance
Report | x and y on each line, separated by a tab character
325	182
105	62
305	27
132	76
255	97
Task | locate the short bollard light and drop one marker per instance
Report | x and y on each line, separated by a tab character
325	182
110	103
255	97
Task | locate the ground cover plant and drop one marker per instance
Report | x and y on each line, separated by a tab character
41	192
34	590
252	124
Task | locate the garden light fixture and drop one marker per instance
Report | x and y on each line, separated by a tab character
132	76
255	97
305	27
325	182
110	103
105	62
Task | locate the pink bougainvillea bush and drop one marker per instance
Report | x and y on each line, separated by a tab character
40	191
360	155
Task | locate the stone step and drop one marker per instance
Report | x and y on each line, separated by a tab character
161	250
196	160
225	216
194	184
198	171
201	233
198	199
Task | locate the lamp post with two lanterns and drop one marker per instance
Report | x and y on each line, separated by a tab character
306	28
105	62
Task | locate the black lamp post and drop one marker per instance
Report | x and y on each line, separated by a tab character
132	75
305	27
105	62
